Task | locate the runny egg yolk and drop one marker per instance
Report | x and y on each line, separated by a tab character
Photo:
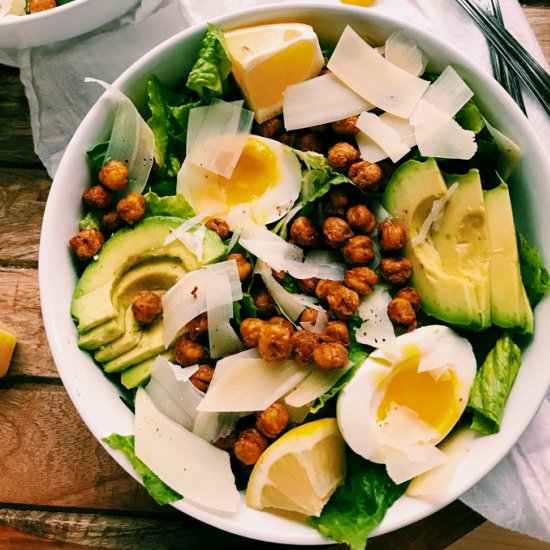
256	171
433	400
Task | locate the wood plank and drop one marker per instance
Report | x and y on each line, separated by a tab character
539	19
20	309
17	540
23	195
50	458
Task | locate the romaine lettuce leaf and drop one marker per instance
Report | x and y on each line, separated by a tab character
533	273
89	221
359	505
156	488
96	155
492	385
212	67
175	205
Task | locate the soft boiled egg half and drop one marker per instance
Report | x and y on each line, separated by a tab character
262	188
397	408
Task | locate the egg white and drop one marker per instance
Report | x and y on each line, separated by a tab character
201	188
402	440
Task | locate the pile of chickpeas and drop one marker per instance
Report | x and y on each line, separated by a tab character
113	178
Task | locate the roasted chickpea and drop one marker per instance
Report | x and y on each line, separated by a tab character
343	302
292	139
271	128
346	126
98	197
336	202
410	294
279	276
401	312
336	331
219	226
131	208
197	326
265	303
243	266
273	420
304	232
202	377
249	446
87	243
361	219
146	306
358	251
330	356
309	315
391	236
360	279
111	222
366	175
34	6
395	270
251	329
311	142
285	323
188	352
226	443
324	287
336	232
274	343
303	344
307	286
342	154
114	175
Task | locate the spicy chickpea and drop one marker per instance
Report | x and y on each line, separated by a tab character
336	203
188	352
410	294
396	270
336	331
197	326
346	126
343	302
361	219
307	286
365	175
219	226
243	266
303	343
330	356
87	243
342	154
249	446
336	232
251	329
202	377
274	343
272	421
146	306
114	175
401	312
304	232
132	208
98	196
324	287
361	279
391	236
265	303
358	251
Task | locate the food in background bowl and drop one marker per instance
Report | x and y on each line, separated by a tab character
196	277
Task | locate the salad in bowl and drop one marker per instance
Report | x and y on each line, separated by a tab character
295	260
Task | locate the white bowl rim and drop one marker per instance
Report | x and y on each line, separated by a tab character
46	14
47	271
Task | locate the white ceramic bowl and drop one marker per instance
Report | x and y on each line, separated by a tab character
66	21
85	382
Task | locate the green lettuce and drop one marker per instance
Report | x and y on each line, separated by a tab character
470	117
213	66
359	505
176	206
156	488
533	273
96	155
492	385
89	221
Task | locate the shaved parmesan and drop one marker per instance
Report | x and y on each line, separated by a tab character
438	135
377	329
222	337
316	384
185	227
186	463
402	126
324	264
318	101
320	324
193	240
435	214
383	135
177	399
401	467
449	92
131	141
252	385
373	77
187	298
403	52
222	137
437	362
369	150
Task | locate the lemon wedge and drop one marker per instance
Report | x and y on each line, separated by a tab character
7	345
268	58
301	470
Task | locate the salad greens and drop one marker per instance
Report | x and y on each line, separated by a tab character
174	205
536	278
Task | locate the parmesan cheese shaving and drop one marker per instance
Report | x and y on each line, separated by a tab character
449	92
405	53
318	101
320	324
402	126
252	385
373	77
186	463
222	137
383	135
435	214
369	149
185	227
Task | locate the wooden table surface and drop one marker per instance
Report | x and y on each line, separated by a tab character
58	487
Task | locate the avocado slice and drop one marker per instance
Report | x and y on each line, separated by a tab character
138	375
453	294
129	339
93	303
510	306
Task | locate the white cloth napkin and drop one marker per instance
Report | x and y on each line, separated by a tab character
516	494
